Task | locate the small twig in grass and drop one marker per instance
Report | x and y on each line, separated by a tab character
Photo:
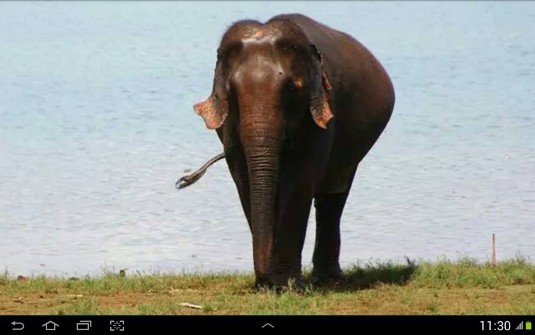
185	304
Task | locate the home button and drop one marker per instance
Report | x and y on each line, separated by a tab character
50	325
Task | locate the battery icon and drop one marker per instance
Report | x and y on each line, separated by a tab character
528	325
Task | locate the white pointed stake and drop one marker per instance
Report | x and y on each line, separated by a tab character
493	249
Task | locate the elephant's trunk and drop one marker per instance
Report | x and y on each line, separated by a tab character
260	143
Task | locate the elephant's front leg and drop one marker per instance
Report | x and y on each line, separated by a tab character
294	202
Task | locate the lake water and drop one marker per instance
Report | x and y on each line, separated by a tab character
96	125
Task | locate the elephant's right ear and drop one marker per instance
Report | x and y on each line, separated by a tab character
212	110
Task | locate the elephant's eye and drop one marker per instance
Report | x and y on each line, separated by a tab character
298	83
295	84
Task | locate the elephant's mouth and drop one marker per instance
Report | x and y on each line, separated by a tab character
288	144
287	148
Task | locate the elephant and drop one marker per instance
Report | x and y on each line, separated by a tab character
296	105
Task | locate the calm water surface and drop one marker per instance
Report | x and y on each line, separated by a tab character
96	124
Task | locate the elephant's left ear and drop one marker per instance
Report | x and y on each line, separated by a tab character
319	99
319	104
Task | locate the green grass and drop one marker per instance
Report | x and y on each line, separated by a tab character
443	287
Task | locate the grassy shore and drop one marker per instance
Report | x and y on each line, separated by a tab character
443	287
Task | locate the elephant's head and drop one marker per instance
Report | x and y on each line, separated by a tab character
269	80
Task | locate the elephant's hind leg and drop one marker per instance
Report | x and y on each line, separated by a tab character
329	208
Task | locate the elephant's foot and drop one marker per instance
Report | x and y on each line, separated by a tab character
281	283
328	277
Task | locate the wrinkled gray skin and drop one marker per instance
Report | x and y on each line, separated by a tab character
297	105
